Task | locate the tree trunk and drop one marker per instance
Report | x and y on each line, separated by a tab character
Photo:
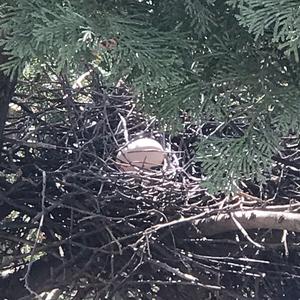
7	88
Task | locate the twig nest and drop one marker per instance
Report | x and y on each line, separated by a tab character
144	153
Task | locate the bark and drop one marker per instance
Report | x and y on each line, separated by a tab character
7	88
250	219
53	295
5	209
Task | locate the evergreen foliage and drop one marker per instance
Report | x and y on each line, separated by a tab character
278	20
232	63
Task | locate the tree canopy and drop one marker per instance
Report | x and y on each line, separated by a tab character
215	82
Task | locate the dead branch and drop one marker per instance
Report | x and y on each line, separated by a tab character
250	219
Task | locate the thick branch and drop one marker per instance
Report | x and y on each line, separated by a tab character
250	219
5	209
7	88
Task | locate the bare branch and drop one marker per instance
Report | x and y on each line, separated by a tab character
250	219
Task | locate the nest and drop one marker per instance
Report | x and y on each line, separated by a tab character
96	232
